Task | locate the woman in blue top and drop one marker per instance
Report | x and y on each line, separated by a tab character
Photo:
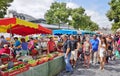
24	46
17	46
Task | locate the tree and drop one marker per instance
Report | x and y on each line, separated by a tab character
4	4
114	14
82	21
93	26
77	17
57	14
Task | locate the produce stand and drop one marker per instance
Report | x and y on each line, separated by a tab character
18	68
50	68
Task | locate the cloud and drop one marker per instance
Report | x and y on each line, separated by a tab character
35	8
100	19
72	5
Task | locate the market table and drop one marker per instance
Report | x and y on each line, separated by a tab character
50	68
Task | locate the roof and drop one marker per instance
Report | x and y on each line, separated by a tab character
55	26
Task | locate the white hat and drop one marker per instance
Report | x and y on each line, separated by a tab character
5	45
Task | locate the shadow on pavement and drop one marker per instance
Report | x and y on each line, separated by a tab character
112	69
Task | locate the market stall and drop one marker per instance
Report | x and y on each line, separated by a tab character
45	65
50	68
28	65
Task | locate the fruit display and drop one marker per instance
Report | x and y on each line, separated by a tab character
6	65
39	61
50	56
16	69
55	54
43	58
32	63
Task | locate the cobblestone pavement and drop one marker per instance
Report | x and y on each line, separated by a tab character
111	69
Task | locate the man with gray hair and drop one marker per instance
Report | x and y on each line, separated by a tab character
2	41
67	51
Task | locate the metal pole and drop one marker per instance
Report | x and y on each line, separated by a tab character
10	31
10	34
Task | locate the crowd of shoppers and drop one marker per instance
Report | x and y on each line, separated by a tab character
22	47
95	49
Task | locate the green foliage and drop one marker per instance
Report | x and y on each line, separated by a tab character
94	26
4	4
82	21
114	14
59	13
115	26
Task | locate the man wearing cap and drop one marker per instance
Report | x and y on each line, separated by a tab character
5	50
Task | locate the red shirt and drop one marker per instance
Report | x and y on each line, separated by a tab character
7	51
51	46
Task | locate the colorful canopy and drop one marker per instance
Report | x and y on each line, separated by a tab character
46	30
21	27
60	32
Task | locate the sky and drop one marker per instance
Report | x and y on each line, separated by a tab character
37	8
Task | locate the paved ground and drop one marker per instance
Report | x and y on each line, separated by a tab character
111	69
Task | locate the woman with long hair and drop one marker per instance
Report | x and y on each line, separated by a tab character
87	52
102	52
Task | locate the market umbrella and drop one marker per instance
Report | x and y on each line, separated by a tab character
21	27
46	30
